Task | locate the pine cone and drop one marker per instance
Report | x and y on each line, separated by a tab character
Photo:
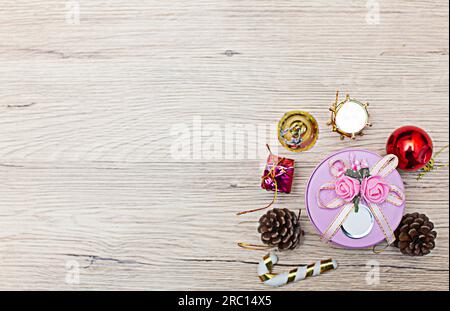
415	235
280	227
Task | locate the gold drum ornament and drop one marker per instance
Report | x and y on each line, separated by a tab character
298	131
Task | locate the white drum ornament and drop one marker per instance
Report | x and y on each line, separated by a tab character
349	118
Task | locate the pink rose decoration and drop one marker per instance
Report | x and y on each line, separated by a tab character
375	189
347	188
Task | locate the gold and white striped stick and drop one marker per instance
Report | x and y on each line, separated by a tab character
265	274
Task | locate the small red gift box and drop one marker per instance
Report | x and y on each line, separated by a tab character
278	174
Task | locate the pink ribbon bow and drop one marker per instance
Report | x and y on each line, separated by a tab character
371	188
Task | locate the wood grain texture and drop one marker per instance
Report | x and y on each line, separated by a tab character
86	113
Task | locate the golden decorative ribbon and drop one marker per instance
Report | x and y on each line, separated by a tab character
254	247
431	165
271	174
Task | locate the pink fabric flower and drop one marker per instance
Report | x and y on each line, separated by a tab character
375	189
354	164
347	188
364	163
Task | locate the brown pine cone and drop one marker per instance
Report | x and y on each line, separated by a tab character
281	228
415	235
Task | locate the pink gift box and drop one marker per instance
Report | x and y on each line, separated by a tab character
281	170
321	218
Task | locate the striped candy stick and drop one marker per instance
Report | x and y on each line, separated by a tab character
265	274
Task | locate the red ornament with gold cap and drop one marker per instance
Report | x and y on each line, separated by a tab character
412	146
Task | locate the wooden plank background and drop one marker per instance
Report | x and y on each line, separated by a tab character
88	175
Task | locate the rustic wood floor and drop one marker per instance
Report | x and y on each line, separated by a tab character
95	195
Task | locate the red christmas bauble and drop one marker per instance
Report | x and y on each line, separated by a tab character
412	146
